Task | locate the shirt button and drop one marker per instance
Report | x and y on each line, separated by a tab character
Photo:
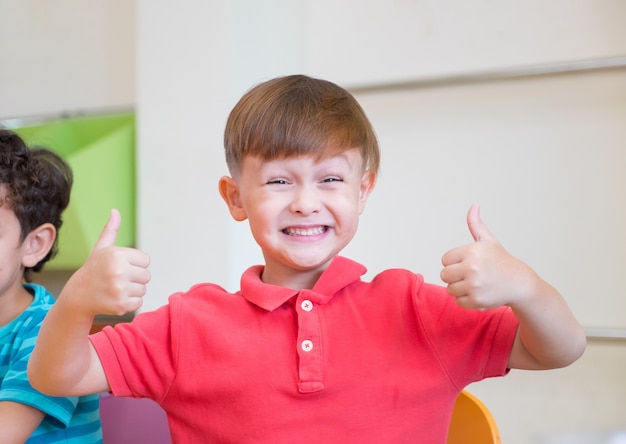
307	305
307	345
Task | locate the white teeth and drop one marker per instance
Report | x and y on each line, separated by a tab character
304	231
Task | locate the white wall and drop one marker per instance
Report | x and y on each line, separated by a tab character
66	57
544	156
358	42
195	60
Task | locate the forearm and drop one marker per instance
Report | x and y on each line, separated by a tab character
112	281
61	361
549	336
18	421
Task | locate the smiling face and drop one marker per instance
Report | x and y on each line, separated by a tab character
302	210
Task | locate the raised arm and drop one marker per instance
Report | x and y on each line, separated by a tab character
484	275
112	281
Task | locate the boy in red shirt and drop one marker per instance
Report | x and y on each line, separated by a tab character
306	351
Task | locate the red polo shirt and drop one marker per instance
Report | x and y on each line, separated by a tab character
347	361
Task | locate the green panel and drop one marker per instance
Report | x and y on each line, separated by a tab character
101	152
56	136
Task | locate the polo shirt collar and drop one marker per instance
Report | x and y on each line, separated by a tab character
340	273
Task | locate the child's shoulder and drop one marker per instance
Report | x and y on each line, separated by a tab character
27	323
42	300
199	293
203	288
398	276
397	279
41	296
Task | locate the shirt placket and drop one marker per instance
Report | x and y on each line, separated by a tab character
309	344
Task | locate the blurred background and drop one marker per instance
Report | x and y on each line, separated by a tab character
520	106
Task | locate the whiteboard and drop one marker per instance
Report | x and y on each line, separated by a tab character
545	157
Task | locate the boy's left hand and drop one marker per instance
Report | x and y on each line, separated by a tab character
483	274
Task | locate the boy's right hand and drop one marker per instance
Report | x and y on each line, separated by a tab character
113	279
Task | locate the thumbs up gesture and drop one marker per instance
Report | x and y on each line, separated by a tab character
483	274
113	279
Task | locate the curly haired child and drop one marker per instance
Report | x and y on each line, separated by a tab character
35	186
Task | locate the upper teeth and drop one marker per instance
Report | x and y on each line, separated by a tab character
305	231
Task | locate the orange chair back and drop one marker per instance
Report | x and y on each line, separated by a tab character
472	422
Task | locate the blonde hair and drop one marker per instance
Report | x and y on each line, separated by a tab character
298	115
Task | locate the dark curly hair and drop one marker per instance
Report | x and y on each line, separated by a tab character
37	185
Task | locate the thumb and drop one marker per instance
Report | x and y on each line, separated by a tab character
109	232
476	226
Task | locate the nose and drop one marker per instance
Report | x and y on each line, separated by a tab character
306	200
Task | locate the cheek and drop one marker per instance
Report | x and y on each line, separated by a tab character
349	211
356	201
259	205
262	216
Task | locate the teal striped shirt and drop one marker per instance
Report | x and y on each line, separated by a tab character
73	420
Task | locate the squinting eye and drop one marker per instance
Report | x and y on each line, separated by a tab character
332	179
277	181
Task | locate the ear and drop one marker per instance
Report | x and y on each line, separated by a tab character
38	243
368	181
229	190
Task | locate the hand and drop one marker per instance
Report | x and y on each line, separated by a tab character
113	279
483	274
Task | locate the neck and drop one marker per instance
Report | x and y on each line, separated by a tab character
304	280
13	301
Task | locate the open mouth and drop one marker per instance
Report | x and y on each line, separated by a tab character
312	231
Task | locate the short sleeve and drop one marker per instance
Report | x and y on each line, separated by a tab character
15	385
139	357
471	344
